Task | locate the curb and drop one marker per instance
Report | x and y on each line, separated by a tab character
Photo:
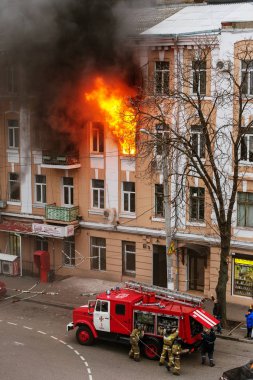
234	339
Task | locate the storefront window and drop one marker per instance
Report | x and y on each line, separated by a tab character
243	277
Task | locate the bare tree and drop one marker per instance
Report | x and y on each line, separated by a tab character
206	113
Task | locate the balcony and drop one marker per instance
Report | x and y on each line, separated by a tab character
64	161
62	214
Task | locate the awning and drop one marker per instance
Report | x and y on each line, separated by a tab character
204	318
18	227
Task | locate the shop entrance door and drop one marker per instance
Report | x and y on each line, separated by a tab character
196	271
159	266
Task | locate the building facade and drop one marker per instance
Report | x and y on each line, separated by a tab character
91	207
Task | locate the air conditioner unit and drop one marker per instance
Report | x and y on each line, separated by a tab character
3	204
224	66
7	267
110	214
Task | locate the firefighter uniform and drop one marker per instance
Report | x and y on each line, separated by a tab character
174	359
135	336
168	341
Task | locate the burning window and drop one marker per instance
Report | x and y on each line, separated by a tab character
97	138
98	193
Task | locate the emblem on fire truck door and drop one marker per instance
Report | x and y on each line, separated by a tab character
101	318
122	295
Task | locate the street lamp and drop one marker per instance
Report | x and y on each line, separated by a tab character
167	206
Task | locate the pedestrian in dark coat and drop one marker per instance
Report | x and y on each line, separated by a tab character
207	346
249	322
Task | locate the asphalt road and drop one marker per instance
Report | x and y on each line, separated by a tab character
34	345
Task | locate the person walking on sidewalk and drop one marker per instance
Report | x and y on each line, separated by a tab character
207	346
217	313
249	321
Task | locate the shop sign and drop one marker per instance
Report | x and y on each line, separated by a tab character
243	277
50	230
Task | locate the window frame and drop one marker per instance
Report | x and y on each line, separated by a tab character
199	201
247	155
12	182
125	253
248	80
13	134
197	131
100	195
68	192
129	196
159	195
164	74
99	244
245	204
14	244
97	138
40	187
199	75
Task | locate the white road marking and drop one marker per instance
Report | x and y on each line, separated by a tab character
11	323
27	327
88	370
19	344
82	358
76	352
90	377
41	332
87	365
54	337
62	341
70	347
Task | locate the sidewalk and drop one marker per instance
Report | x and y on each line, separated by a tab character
73	291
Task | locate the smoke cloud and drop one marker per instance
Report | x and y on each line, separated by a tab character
58	45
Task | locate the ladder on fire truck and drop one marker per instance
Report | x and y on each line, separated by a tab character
166	294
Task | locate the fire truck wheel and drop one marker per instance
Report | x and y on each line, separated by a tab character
84	336
152	348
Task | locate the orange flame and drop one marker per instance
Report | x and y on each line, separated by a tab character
120	118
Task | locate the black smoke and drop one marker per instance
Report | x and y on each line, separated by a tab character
57	45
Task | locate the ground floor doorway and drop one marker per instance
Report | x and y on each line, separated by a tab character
159	266
196	265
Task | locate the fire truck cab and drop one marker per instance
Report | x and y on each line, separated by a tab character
114	314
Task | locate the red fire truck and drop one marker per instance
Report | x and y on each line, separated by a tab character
114	314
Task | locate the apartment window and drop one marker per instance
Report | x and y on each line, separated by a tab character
129	196
247	77
69	258
97	138
14	244
98	253
162	78
245	209
40	189
14	187
13	133
198	141
159	198
68	191
199	77
128	259
197	203
247	147
41	244
98	193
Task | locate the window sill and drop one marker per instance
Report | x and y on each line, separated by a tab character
14	203
129	274
127	216
96	155
158	219
98	270
96	211
196	224
246	163
12	150
39	205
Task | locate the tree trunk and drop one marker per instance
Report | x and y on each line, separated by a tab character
223	278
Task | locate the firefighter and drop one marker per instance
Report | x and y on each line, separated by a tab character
174	360
135	336
207	346
168	339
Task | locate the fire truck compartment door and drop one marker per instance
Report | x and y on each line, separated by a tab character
101	315
204	318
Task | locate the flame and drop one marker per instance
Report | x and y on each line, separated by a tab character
111	99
